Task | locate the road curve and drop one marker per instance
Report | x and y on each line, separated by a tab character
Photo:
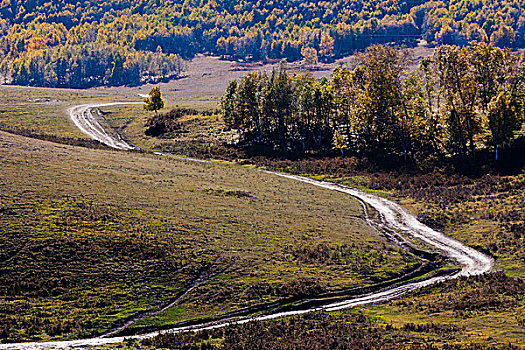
84	119
393	216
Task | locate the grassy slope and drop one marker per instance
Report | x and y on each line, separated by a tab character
480	218
485	212
44	111
476	313
90	236
488	310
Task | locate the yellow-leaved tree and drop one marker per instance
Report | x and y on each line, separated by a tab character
154	102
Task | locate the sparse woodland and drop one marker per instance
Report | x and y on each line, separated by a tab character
457	101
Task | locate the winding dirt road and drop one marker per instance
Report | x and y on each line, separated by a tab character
393	217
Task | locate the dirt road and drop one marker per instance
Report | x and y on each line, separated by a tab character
86	121
393	217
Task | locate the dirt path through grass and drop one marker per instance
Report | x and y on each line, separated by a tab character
87	122
205	276
392	217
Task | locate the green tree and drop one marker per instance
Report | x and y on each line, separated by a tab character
382	80
504	116
459	90
5	70
433	124
339	142
344	99
489	67
380	107
247	109
504	36
117	70
154	102
228	105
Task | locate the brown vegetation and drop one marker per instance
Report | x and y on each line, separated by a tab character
322	331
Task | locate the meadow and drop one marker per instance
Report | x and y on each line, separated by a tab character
91	237
477	201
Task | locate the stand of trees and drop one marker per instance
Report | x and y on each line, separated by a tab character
84	66
243	30
456	101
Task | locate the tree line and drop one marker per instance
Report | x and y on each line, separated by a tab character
241	29
456	101
84	66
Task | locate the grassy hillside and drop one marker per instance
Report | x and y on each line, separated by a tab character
99	235
462	317
89	237
44	111
478	201
484	210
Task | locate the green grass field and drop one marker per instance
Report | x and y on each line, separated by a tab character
89	237
44	111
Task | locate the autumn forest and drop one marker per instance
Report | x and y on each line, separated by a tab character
66	43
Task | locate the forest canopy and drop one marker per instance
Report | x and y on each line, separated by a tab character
132	41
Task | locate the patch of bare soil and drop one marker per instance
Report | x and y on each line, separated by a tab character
211	74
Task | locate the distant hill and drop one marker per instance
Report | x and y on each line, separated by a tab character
95	42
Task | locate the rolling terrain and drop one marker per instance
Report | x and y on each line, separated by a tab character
91	237
171	241
393	217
